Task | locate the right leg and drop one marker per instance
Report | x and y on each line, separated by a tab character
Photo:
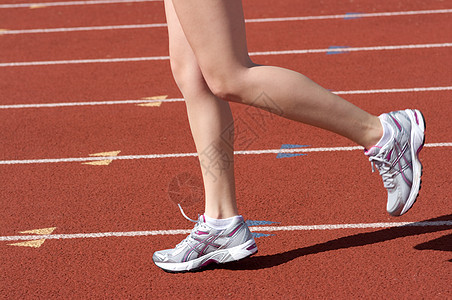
216	32
209	117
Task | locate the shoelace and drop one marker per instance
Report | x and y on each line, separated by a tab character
384	167
186	240
183	213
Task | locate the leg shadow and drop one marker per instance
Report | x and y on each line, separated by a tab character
443	243
356	240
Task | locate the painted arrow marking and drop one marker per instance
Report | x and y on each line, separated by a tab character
155	103
104	162
35	243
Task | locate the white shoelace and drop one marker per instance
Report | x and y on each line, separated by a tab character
186	240
384	167
183	213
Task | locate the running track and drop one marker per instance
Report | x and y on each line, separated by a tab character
72	78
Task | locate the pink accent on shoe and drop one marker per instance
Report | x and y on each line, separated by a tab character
388	157
235	230
368	152
397	123
199	232
419	150
204	218
208	262
253	246
415	115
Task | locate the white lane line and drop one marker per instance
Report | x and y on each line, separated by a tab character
407	90
91	103
71	3
91	28
354	15
177	155
354	49
283	52
83	61
258	20
116	102
253	228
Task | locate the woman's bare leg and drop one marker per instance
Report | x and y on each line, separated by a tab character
215	30
209	117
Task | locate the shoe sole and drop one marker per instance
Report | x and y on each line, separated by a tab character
218	257
417	141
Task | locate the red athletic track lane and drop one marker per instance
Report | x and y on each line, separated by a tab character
348	264
84	15
132	195
120	81
319	34
152	12
78	131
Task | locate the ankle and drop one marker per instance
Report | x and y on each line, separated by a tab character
221	208
220	224
220	214
374	134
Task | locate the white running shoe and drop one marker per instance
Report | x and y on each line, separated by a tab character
398	160
206	245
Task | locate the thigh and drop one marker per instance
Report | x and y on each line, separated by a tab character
183	61
215	30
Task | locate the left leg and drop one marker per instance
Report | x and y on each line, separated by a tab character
209	117
224	236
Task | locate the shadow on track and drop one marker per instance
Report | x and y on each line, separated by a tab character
356	240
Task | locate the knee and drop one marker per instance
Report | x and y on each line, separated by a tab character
188	77
226	84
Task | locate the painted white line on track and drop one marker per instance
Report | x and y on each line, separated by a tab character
282	52
75	29
117	102
177	155
253	228
71	3
83	61
354	49
353	15
92	103
258	20
405	90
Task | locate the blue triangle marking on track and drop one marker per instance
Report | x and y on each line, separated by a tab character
350	16
286	155
335	50
257	223
290	146
258	234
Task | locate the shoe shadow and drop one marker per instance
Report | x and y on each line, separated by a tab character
356	240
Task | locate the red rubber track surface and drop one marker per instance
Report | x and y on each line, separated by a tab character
132	194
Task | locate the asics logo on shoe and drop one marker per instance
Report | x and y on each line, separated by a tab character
202	247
